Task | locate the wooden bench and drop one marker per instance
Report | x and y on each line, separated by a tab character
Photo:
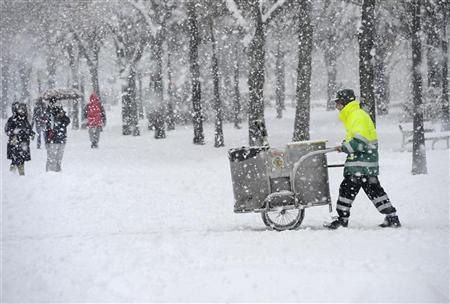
429	133
437	136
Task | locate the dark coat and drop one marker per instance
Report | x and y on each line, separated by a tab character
19	132
56	130
40	115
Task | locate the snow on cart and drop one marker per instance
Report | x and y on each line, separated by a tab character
280	183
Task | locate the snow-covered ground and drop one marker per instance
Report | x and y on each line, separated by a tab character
149	220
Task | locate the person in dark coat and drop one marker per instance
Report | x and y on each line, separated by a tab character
56	137
40	119
94	113
19	131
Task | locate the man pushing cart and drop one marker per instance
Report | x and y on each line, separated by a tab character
281	183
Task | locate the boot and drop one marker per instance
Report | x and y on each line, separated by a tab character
391	221
21	168
12	168
338	222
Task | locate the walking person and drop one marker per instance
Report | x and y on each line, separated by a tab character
19	131
94	113
361	167
39	120
56	137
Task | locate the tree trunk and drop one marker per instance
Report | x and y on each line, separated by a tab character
256	80
433	18
237	93
39	81
419	161
303	91
5	84
218	133
194	41
93	70
129	106
227	90
140	98
160	131
381	85
171	96
280	86
51	69
444	45
14	83
25	77
83	99
366	53
330	62
74	67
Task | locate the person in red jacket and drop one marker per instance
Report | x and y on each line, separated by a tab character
94	113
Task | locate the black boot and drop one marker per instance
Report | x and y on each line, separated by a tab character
338	222
391	221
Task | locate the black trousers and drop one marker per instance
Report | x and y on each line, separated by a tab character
350	187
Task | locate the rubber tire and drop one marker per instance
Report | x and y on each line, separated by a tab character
279	227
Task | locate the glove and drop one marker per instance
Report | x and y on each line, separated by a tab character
338	148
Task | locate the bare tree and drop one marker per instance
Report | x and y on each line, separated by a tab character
366	54
5	81
171	95
74	64
332	35
7	28
444	46
280	79
303	91
90	42
419	161
218	138
237	94
194	41
25	79
129	39
386	40
259	16
157	16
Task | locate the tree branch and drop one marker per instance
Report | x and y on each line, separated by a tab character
275	10
140	7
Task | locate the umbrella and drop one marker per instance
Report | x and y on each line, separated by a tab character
61	93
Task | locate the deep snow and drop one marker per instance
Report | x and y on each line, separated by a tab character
149	220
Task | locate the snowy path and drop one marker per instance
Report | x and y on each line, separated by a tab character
147	220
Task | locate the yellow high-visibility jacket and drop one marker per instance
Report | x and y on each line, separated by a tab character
361	141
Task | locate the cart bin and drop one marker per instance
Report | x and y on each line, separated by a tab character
311	180
249	177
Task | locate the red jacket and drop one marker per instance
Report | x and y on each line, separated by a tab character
94	113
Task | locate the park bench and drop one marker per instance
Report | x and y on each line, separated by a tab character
430	134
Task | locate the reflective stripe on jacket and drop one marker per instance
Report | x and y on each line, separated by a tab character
361	141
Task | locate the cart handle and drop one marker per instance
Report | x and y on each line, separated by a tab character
308	155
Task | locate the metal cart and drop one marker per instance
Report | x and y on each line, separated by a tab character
280	183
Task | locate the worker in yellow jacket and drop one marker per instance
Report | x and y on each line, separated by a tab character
361	167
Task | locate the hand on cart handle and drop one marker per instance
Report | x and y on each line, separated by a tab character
338	148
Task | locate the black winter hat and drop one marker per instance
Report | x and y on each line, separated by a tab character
345	96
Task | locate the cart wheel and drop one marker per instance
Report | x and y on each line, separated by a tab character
283	219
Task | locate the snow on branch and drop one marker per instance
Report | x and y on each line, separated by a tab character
143	10
84	49
273	11
232	7
248	29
